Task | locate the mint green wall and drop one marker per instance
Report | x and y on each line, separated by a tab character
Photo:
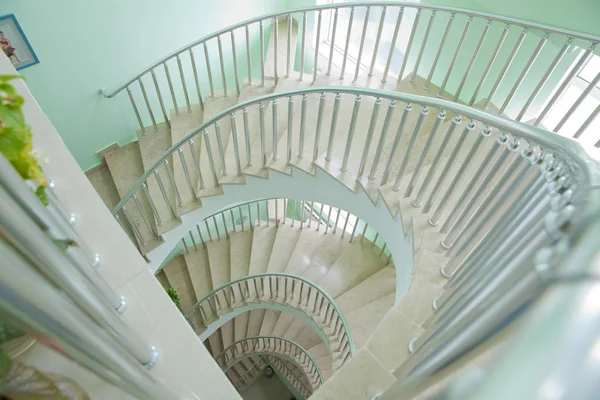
578	15
87	45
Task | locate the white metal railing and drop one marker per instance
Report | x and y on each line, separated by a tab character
57	294
458	35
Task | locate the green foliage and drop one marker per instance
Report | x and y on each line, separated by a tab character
8	333
174	296
15	137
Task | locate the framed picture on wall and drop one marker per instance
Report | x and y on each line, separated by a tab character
14	44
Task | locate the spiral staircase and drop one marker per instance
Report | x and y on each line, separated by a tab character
477	205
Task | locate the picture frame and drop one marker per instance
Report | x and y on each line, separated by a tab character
14	43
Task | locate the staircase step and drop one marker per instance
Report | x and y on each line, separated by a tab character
282	48
364	320
417	304
378	285
219	261
103	182
255	322
241	250
162	278
285	241
269	321
176	271
331	247
301	256
199	270
227	333
262	247
241	326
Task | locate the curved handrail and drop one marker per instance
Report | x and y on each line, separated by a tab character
558	144
297	281
266	341
512	21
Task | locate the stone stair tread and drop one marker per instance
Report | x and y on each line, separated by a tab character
269	322
176	271
302	254
162	278
364	320
262	246
428	265
227	334
199	270
282	50
255	322
103	182
241	325
331	247
285	241
219	261
378	285
284	322
241	248
417	303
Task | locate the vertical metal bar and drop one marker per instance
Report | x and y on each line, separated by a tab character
214	220
293	212
267	207
334	118
355	112
337	219
423	44
210	158
392	45
248	54
164	193
455	55
587	122
193	240
377	40
584	94
362	236
196	79
171	88
147	105
439	51
566	82
303	46
241	216
318	129
310	213
302	214
288	60
143	214
196	164
274	115
332	46
186	172
276	46
262	54
222	63
160	99
328	219
276	213
290	127
525	71
247	137
208	230
409	45
220	149
505	68
302	126
413	138
135	109
263	151
369	139
415	175
347	47
134	228
362	43
486	29
235	66
185	91
232	219
236	149
382	137
152	205
486	71
320	215
318	42
208	70
185	245
172	181
225	225
258	211
388	166
250	216
544	78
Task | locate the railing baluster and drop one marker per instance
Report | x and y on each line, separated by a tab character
318	42
171	88
455	55
222	64
263	151
328	219
362	43
236	149
303	46
392	45
250	216
211	160
290	127
164	193
584	94
411	144
505	68
185	91
382	137
186	173
247	137
525	71
587	123
566	82
302	126
486	29
137	113
196	164
415	175
220	149
210	238
439	51
134	227
208	70
145	95
196	79
334	118
486	71
332	46
388	166
369	139
347	47
377	40
274	122
262	53
544	78
423	44
235	66
160	99
319	125
214	220
225	226
173	184
408	46
288	59
201	238
248	54
355	112
152	205
337	218
143	214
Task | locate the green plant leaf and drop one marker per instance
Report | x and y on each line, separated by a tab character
64	244
41	194
174	296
